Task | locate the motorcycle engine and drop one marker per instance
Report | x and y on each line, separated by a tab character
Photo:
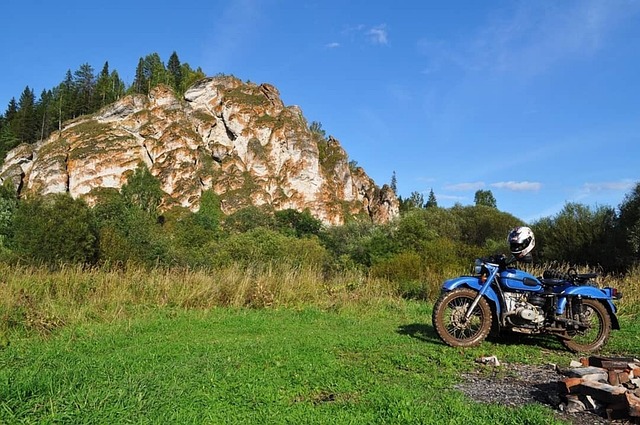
522	312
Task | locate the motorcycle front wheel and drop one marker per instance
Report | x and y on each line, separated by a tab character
598	327
450	322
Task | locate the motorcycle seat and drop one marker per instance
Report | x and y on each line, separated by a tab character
551	282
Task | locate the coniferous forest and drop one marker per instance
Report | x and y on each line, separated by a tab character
83	91
127	227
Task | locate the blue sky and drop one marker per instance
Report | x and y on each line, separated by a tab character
537	101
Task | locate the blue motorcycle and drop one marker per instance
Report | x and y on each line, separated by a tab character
499	297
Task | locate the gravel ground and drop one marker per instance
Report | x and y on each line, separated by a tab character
516	385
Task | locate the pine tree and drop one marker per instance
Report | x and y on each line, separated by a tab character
12	110
175	71
46	113
431	201
8	140
140	83
103	87
155	71
189	76
26	128
394	183
85	84
67	99
117	87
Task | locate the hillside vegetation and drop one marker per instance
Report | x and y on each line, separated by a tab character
121	312
126	233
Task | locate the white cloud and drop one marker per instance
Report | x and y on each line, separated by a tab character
333	45
353	29
518	186
532	37
378	35
623	185
465	186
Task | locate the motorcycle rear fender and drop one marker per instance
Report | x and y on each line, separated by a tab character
473	282
590	292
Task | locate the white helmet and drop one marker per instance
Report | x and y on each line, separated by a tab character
521	241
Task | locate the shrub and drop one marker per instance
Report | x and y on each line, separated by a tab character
578	235
480	223
363	242
55	229
296	223
248	218
142	190
265	246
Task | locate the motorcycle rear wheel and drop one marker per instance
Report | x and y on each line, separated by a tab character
596	316
449	321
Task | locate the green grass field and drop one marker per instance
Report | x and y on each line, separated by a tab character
229	365
105	348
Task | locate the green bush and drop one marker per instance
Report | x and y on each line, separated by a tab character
295	223
209	215
8	205
577	235
480	223
266	246
249	218
127	232
142	190
362	242
407	270
55	229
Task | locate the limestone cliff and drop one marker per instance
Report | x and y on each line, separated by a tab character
236	138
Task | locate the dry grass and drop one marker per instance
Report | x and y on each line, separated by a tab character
38	299
629	285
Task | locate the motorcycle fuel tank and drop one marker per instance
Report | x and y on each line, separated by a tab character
519	280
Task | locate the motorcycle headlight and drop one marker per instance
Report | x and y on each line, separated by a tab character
477	267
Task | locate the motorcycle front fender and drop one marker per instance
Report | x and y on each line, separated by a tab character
473	282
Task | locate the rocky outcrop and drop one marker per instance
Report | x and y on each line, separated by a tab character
235	138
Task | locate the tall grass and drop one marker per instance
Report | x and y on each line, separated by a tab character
37	299
629	285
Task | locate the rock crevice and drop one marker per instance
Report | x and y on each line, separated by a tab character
235	138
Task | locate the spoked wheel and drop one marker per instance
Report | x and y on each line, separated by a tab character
597	323
450	322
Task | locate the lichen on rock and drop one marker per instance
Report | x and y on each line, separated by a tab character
235	138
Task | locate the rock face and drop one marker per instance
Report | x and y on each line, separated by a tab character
235	138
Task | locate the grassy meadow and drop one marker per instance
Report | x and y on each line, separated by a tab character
246	345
